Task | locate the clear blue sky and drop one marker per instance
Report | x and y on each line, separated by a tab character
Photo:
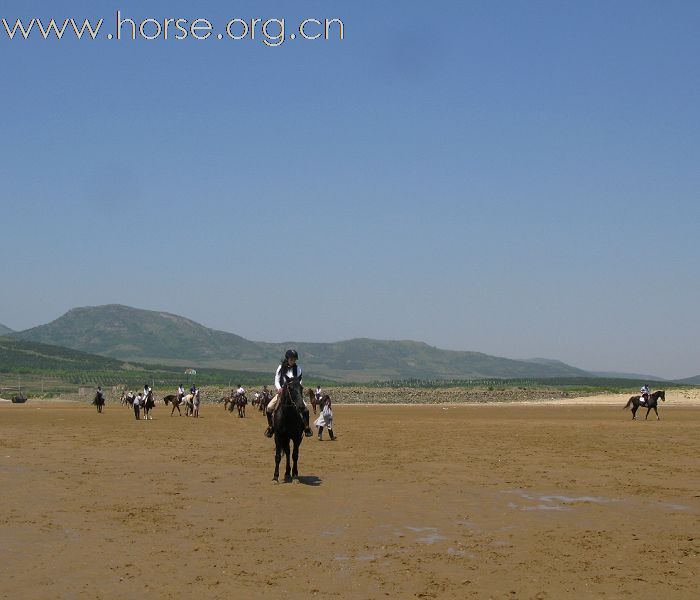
518	178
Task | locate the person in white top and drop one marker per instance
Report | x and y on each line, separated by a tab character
288	369
645	391
240	391
137	406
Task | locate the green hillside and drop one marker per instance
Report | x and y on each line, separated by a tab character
4	330
32	361
131	334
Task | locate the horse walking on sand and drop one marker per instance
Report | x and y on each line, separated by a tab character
265	399
176	400
289	427
127	399
99	402
241	402
637	402
188	401
148	403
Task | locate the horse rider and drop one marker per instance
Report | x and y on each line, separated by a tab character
180	393
99	400
318	394
288	370
240	391
645	391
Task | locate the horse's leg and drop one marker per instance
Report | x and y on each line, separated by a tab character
295	458
288	468
278	458
648	411
657	414
634	411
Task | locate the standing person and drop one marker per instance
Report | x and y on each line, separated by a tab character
137	406
325	419
180	393
289	369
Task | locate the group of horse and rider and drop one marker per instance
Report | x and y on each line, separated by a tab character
142	402
287	377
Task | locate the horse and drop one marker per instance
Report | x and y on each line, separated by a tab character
127	399
189	404
241	402
652	402
289	426
99	402
312	399
265	399
148	403
176	401
229	401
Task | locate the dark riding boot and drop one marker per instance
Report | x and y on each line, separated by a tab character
330	432
307	429
320	433
269	432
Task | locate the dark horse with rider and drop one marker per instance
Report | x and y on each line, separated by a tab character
646	400
288	416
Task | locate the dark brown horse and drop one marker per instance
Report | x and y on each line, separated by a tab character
265	399
176	400
638	402
99	401
148	403
241	403
289	426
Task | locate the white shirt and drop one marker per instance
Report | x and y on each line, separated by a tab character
137	400
289	375
240	391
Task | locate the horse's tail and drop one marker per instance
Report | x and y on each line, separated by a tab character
629	402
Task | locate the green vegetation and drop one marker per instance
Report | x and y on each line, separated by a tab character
45	369
576	385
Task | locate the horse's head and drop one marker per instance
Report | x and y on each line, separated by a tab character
662	395
294	392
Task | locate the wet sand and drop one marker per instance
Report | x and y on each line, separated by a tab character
501	501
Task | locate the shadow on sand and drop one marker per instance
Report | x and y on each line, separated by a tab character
310	480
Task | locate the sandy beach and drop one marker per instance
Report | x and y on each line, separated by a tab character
489	501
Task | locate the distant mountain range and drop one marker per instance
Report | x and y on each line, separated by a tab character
4	330
130	334
638	376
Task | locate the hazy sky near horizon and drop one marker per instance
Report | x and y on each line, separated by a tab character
517	178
